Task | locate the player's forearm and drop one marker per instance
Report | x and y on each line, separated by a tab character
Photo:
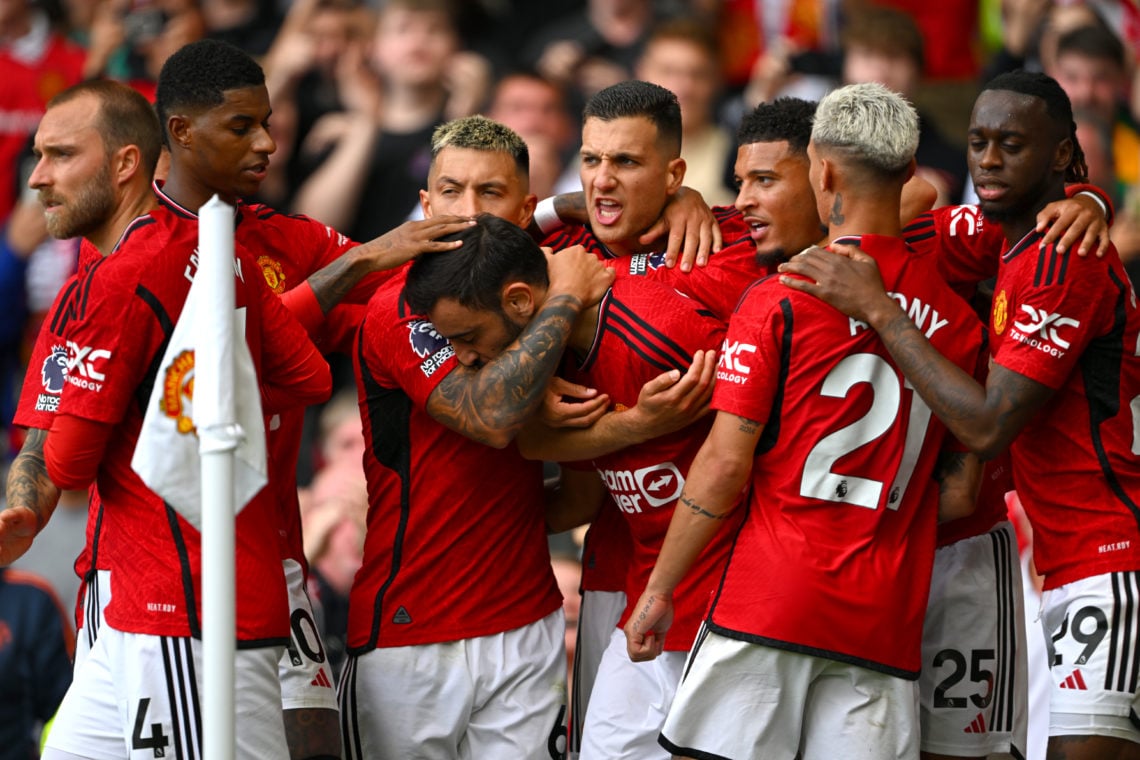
715	482
332	283
492	404
29	485
955	397
959	480
613	432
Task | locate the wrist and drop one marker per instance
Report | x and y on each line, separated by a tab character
882	312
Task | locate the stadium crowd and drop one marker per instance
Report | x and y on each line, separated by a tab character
695	378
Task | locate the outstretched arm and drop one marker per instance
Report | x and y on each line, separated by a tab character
716	478
985	419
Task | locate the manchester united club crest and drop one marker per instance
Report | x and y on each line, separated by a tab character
1001	312
273	273
178	392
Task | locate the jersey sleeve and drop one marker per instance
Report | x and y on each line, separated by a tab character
750	358
47	368
293	372
337	332
406	353
1050	323
105	362
968	245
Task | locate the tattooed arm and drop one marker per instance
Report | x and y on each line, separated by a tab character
985	419
716	478
392	249
491	403
31	496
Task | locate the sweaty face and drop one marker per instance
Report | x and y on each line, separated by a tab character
478	336
469	182
230	143
627	179
1013	152
72	173
776	199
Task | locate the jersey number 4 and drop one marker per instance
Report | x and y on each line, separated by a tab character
820	480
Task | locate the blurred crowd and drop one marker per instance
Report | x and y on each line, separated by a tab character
358	86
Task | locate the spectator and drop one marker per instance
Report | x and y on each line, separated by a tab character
1091	67
36	644
368	183
36	63
535	108
885	45
681	56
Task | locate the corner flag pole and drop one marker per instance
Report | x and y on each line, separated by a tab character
219	436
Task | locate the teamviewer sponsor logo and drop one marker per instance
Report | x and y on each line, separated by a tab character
653	486
1042	330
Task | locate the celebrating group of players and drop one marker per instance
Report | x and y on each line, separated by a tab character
822	568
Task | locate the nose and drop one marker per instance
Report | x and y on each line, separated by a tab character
468	204
466	356
39	175
744	200
991	156
264	143
603	176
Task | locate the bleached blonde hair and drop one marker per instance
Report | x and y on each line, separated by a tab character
870	124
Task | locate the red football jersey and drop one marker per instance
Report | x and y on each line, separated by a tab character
606	550
43	386
835	554
1071	323
156	562
288	248
456	544
717	286
644	329
43	65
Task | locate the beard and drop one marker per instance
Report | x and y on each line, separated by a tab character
91	207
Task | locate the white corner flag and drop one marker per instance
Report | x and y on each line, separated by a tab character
208	336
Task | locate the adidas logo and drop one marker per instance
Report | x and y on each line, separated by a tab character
321	680
1074	681
977	726
401	617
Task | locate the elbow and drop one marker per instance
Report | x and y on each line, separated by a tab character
497	439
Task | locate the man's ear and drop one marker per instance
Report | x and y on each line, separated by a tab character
126	162
425	204
675	174
527	213
826	176
178	129
1064	155
518	301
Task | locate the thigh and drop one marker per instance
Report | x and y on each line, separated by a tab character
1091	627
629	704
88	722
974	687
597	620
520	699
860	714
399	703
724	679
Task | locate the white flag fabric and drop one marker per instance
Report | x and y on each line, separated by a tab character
167	457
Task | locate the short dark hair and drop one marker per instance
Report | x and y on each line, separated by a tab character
887	31
784	119
198	75
494	252
125	118
1094	41
1058	107
636	98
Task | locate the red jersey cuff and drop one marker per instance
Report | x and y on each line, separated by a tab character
1083	187
73	450
302	302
